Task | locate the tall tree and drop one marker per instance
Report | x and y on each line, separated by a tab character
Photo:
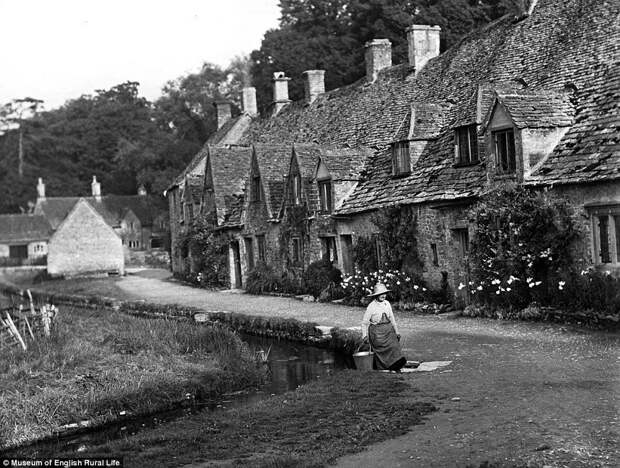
12	116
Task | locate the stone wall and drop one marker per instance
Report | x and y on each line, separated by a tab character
84	243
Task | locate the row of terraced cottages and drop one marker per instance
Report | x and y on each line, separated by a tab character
532	100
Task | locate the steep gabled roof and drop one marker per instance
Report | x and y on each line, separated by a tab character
535	109
343	163
24	228
590	151
110	207
424	121
273	164
230	168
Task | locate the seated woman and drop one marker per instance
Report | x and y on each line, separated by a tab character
379	328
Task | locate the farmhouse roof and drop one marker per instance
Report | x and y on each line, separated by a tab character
563	45
24	228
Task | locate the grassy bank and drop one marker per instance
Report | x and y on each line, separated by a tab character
309	427
98	363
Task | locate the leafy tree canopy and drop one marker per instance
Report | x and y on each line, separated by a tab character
330	35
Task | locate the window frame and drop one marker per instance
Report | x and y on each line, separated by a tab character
296	250
255	191
325	196
296	189
471	155
261	247
401	158
329	251
510	159
608	258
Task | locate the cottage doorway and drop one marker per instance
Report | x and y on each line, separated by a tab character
238	283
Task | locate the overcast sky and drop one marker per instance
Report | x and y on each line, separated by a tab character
60	49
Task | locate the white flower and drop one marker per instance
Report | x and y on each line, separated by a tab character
496	292
537	283
461	286
508	289
398	283
495	281
423	289
479	288
415	286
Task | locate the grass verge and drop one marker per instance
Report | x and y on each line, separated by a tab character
309	427
98	363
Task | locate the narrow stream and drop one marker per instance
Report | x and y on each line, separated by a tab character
290	364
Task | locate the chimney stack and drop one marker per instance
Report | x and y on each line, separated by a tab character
314	84
249	101
223	111
280	91
378	57
40	190
96	189
423	42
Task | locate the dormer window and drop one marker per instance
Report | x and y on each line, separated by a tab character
296	188
466	145
505	153
325	195
400	158
255	189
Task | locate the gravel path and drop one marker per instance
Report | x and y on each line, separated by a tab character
531	392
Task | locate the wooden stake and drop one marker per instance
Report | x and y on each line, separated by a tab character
31	302
15	331
29	328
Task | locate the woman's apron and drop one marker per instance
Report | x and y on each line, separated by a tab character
385	344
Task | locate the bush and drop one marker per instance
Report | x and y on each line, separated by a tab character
404	288
319	275
263	278
522	239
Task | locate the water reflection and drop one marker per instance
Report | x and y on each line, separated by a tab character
292	364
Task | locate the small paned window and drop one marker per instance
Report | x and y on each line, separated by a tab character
328	247
434	254
296	188
606	235
466	145
325	195
260	241
400	158
505	153
297	250
603	229
249	252
256	195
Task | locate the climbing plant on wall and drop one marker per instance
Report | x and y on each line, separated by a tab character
209	252
294	224
397	233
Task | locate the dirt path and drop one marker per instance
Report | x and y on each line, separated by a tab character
514	391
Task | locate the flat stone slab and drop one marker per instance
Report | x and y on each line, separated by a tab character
324	329
428	366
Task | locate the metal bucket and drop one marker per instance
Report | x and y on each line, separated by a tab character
363	360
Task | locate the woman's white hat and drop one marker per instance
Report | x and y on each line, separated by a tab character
378	290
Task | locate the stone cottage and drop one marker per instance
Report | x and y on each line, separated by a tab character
530	100
140	220
84	242
23	239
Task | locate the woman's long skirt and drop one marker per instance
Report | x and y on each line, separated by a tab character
386	346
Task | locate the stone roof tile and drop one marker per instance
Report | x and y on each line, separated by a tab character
24	228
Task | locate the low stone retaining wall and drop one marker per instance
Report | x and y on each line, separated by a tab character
338	339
